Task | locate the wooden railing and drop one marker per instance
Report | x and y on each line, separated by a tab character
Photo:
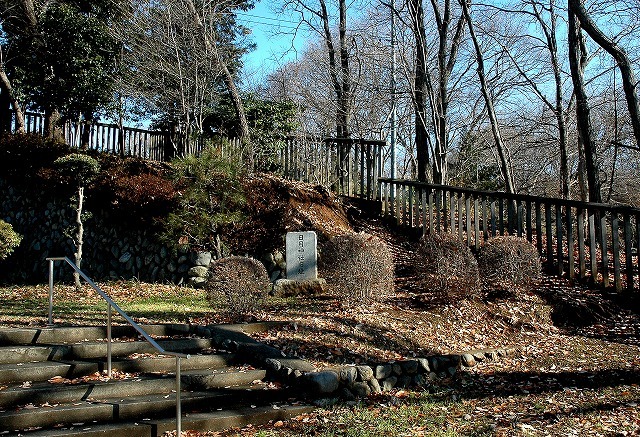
350	167
109	138
578	239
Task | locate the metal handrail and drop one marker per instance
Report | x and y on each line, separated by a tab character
141	331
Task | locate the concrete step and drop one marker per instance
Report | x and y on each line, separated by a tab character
58	393
30	354
222	378
40	393
213	421
112	410
92	349
43	371
88	350
76	334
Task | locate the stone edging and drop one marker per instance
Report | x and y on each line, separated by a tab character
348	381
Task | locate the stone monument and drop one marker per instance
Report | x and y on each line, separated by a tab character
302	255
302	266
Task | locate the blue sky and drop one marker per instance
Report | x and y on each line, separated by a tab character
273	48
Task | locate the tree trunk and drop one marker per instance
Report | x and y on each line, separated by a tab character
493	119
577	57
51	121
7	90
79	235
340	76
420	90
629	81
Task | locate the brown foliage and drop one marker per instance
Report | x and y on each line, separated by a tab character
509	262
276	206
445	265
241	282
358	268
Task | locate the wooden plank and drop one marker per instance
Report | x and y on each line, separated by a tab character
604	253
593	258
559	248
485	224
460	218
520	219
476	223
628	251
431	200
582	259
467	211
452	211
510	217
615	243
570	243
529	223
384	199
501	215
438	206
445	211
549	234
399	210
411	205
423	202
539	227
493	217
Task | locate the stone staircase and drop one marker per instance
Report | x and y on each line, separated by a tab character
53	382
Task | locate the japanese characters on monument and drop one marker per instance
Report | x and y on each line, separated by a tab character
302	255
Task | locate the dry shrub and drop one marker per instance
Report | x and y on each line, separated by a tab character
445	265
358	268
509	262
242	283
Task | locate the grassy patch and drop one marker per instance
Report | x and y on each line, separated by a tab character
151	303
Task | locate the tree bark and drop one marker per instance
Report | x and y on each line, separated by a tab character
79	235
6	89
629	81
493	119
420	90
340	77
577	57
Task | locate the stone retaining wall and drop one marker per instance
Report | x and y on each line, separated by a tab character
112	249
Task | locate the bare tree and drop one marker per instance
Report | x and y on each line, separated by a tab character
629	81
577	61
495	129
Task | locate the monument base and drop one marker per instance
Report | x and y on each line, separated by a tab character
305	287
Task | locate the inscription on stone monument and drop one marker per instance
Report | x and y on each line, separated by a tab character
302	255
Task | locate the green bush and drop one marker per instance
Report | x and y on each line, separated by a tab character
9	239
242	283
509	263
446	266
358	268
78	167
211	197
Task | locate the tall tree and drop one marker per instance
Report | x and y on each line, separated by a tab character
629	81
505	165
62	56
318	18
577	61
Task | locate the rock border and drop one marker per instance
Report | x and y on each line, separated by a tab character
348	382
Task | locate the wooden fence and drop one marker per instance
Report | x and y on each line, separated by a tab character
128	141
351	167
579	239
